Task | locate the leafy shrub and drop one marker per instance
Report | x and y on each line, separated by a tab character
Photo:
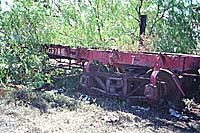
172	26
22	35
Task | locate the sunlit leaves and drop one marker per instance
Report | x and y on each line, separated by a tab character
178	30
172	26
23	34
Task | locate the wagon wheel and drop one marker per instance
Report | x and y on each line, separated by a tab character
191	84
96	83
169	91
165	91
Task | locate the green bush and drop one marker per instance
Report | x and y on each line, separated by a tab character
89	23
23	33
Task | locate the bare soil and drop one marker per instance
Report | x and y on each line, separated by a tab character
75	115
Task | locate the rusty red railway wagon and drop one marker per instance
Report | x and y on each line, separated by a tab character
144	76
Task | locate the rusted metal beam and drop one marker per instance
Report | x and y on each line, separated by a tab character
147	76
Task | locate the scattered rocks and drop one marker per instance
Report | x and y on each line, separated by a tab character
174	113
51	92
139	108
111	118
178	115
137	119
61	90
56	91
87	99
54	104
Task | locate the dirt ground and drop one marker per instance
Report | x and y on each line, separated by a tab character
101	116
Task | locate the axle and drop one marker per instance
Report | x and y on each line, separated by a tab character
133	76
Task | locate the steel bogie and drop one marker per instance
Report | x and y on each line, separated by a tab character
128	86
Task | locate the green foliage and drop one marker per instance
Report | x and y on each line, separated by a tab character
98	23
189	103
171	27
177	30
22	57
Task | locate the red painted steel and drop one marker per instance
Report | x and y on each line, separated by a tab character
173	62
150	77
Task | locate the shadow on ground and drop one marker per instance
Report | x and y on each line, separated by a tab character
157	117
65	93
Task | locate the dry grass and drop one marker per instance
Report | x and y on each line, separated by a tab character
34	111
20	111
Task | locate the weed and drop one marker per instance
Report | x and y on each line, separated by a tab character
189	103
40	100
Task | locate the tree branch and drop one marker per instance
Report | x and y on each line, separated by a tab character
134	18
97	15
157	18
139	8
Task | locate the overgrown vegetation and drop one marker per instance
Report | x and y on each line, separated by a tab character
22	57
172	26
41	100
28	78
